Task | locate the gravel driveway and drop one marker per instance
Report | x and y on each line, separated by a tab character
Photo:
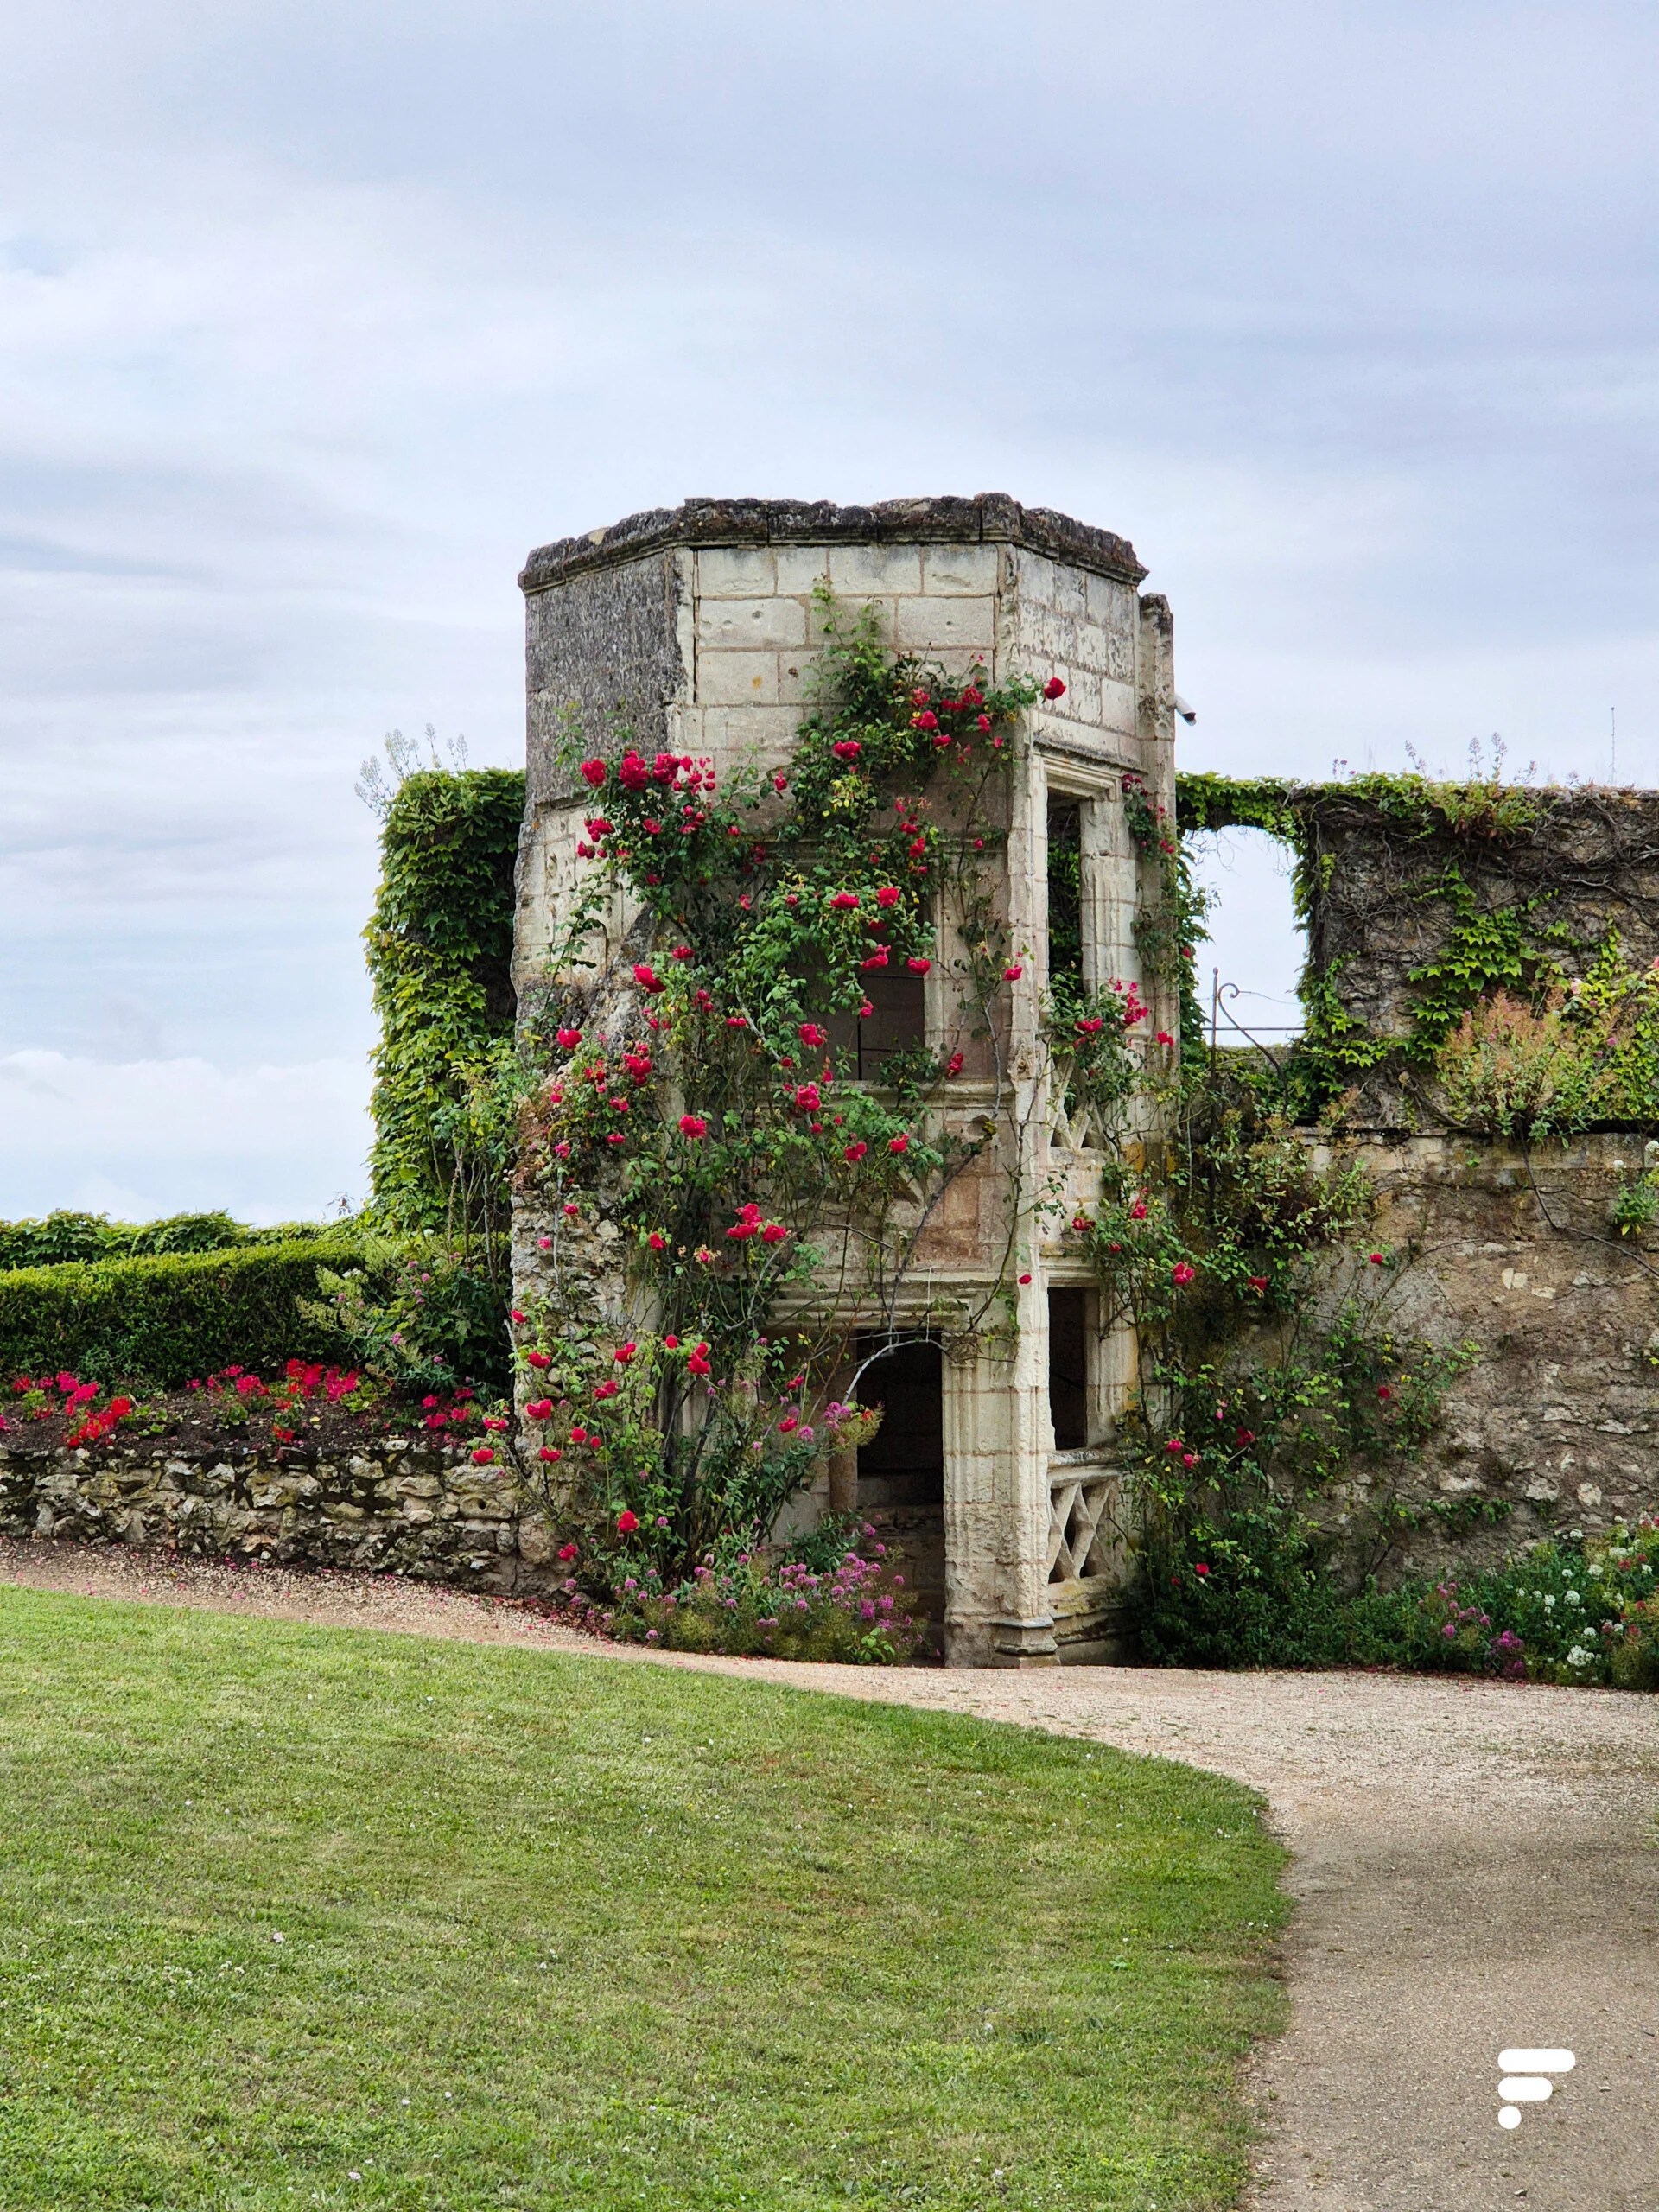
1475	1866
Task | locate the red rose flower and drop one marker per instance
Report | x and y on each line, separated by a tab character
627	1523
1053	689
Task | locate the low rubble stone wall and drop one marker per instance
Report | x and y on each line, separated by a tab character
391	1506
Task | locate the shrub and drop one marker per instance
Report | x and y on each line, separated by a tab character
756	1608
1254	1589
162	1320
64	1236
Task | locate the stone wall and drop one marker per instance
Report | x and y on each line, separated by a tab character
392	1507
1558	1418
1386	894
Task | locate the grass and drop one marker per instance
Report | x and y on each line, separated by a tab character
293	1917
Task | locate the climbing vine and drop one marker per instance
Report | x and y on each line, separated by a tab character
745	1136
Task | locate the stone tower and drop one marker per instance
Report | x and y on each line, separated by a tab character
693	627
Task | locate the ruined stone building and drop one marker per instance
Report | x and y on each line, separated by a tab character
993	1466
992	1469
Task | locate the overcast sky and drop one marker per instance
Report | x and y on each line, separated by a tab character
315	318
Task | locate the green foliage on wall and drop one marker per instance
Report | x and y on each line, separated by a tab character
1523	1018
440	953
165	1319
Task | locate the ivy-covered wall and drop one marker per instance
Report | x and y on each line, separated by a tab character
440	954
1422	901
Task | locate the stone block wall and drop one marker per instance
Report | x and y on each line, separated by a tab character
392	1506
1558	1417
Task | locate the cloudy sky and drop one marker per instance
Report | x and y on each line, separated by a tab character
315	318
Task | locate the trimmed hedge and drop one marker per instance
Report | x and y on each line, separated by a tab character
62	1236
162	1321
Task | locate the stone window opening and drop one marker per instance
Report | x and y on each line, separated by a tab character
1251	962
896	1024
1070	1366
1064	965
901	1468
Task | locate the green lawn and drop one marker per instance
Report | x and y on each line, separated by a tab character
295	1917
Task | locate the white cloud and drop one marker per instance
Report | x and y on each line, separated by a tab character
141	1137
313	319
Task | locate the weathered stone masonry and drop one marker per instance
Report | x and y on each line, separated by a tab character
694	628
390	1507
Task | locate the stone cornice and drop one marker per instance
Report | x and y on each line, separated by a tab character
990	518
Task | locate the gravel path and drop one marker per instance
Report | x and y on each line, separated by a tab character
1476	1865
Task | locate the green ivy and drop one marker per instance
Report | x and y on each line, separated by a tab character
440	953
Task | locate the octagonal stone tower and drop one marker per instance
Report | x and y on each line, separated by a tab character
692	627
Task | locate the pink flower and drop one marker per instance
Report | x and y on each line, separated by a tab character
877	959
570	1038
917	965
567	1552
773	1233
926	720
658	1242
594	771
693	1125
645	977
1013	975
539	1409
538	1358
849	749
1053	689
550	1452
682	953
953	1065
483	1456
807	1100
813	1035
